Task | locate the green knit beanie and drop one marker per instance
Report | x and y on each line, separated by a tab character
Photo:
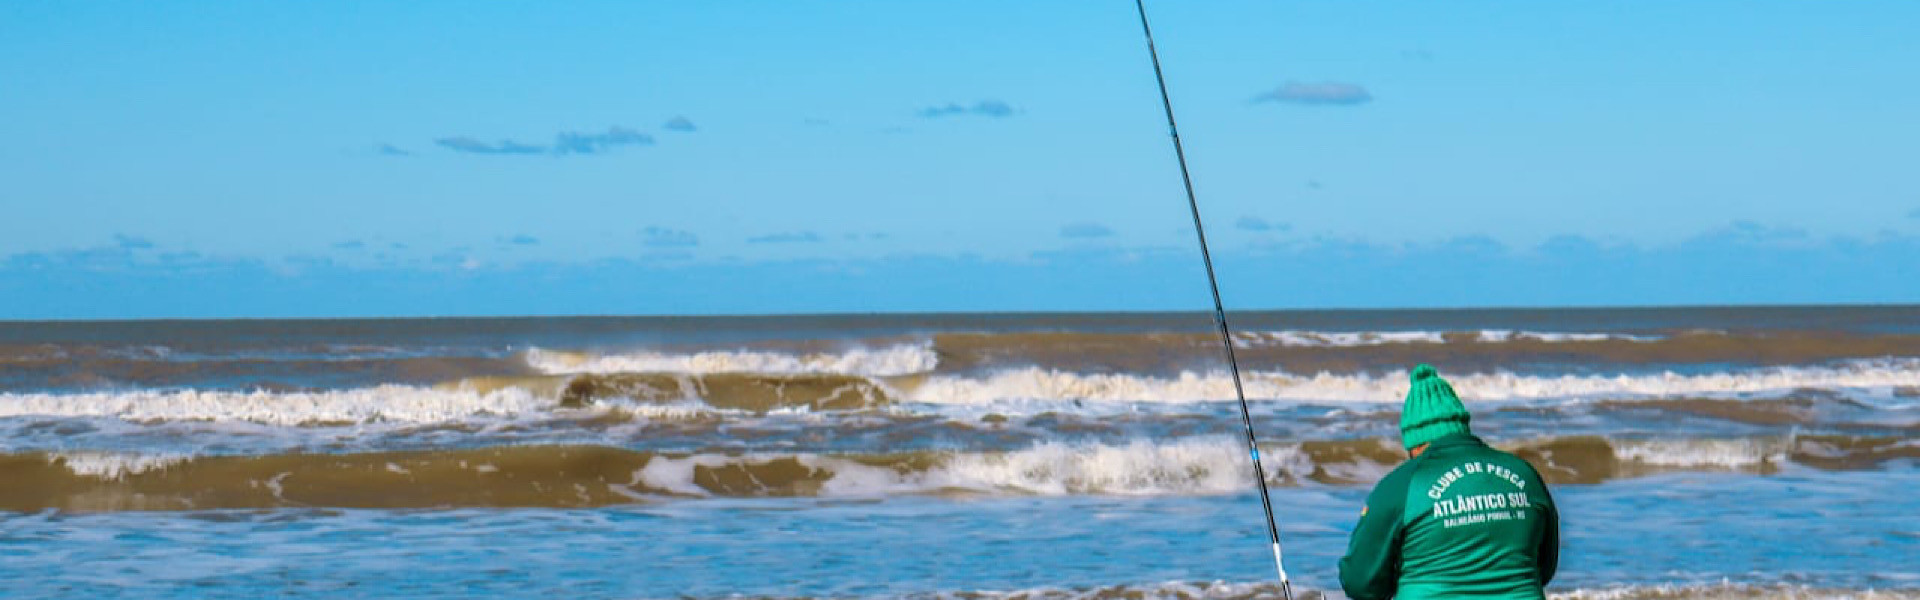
1432	410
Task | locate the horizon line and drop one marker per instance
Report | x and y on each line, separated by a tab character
983	313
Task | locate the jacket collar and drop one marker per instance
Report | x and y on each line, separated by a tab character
1452	440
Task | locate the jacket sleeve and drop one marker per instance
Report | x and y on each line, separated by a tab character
1371	568
1548	555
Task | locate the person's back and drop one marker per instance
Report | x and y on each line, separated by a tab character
1459	518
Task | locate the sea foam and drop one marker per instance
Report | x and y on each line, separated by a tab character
1882	375
904	359
1198	466
1350	339
387	403
1725	454
114	465
1052	390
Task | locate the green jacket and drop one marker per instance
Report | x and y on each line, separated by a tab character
1460	519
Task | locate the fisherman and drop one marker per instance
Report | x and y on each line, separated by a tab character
1457	519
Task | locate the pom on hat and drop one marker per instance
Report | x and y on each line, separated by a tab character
1424	371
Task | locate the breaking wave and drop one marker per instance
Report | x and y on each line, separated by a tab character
1883	375
1350	339
1886	383
563	476
904	359
387	403
648	395
391	404
114	465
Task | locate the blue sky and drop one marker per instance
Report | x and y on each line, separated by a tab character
221	159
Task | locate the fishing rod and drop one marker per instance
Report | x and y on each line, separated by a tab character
1219	309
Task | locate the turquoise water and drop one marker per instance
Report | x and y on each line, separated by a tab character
1815	529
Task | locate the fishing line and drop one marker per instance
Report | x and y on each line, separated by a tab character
1219	309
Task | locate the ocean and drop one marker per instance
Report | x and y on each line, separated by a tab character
1696	452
